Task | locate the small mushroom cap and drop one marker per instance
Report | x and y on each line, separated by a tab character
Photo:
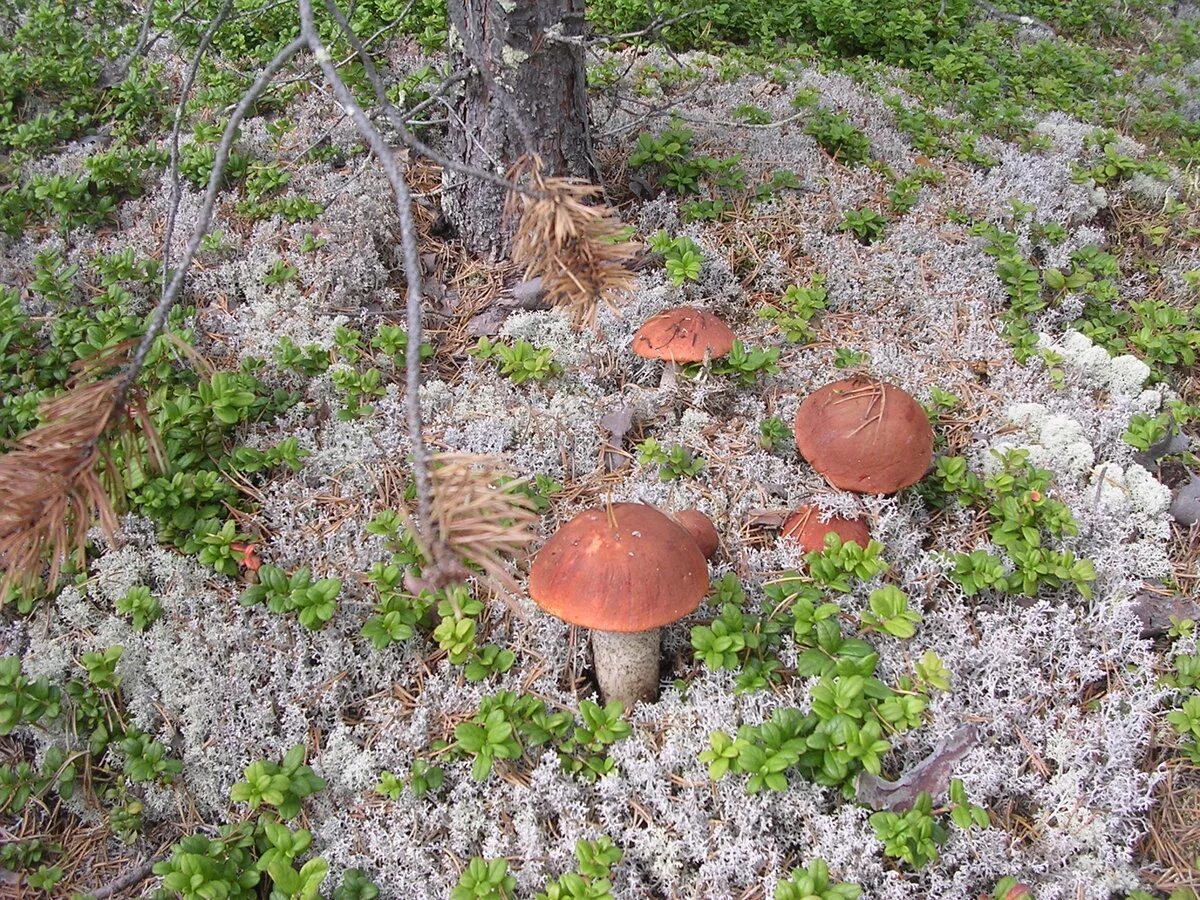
804	526
864	435
702	530
683	335
628	568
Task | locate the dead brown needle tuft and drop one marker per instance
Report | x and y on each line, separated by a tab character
576	247
61	477
481	514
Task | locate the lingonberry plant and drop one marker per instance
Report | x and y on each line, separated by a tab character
812	882
1023	518
313	602
674	462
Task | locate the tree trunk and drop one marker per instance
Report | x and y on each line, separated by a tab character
531	97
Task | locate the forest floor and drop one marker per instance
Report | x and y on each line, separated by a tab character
1023	258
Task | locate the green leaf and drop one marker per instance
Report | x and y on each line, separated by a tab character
481	768
294	758
499	733
471	736
901	628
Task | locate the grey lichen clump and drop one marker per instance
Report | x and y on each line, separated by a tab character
223	686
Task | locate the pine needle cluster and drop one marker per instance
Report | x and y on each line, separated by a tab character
575	246
62	477
481	513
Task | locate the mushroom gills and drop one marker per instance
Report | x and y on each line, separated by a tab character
627	664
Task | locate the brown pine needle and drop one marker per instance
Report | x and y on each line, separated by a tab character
60	478
575	247
875	392
480	517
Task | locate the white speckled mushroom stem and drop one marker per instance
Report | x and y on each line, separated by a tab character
627	665
670	374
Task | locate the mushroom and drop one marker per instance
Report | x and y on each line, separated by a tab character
865	436
623	572
683	335
702	530
804	526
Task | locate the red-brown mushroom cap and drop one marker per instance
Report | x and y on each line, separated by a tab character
804	526
644	573
865	436
683	335
702	530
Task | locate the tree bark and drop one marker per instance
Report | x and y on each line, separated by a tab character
531	96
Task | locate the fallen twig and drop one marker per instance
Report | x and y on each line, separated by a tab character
121	883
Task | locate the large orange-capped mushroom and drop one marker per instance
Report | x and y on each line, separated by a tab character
623	572
804	526
682	335
865	436
702	530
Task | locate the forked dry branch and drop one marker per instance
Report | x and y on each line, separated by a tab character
52	484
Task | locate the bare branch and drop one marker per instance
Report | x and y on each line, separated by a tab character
50	490
442	567
127	880
437	93
159	318
146	40
433	98
141	45
355	51
653	30
70	456
184	91
994	12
